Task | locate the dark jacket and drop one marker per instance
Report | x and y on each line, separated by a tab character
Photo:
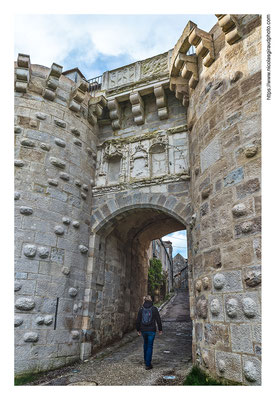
155	319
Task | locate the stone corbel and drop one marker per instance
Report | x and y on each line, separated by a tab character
78	95
114	113
137	105
230	27
190	70
22	72
181	89
161	101
52	82
95	108
204	45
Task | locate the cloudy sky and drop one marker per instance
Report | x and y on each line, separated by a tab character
96	42
179	242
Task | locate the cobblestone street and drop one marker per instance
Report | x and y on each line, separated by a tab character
122	363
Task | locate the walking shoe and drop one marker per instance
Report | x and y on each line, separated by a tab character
149	367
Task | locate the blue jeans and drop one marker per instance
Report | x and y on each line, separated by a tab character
148	346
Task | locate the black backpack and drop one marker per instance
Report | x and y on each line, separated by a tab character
147	316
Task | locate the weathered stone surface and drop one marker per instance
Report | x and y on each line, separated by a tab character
241	338
45	146
31	337
253	277
59	230
231	367
210	154
60	123
53	182
249	307
77	183
202	307
64	176
75	334
215	307
252	370
18	321
75	131
39	320
26	210
77	142
60	142
232	307
198	285
25	303
217	334
239	210
19	163
16	195
251	151
219	281
73	292
83	249
65	270
205	283
17	130
29	250
66	220
248	227
41	116
57	162
17	286
48	319
234	177
247	188
57	255
27	143
43	252
212	258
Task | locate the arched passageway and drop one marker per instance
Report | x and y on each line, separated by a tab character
118	269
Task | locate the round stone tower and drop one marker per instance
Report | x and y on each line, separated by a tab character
54	171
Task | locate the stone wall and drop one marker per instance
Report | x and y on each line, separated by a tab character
224	117
55	149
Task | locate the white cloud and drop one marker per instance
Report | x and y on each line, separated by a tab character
79	40
179	242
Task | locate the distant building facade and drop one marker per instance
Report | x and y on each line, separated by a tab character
180	272
163	251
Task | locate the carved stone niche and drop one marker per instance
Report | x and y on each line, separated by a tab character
139	162
113	163
158	159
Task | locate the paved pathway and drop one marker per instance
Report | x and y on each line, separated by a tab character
122	363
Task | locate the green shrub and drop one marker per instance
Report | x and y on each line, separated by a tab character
155	276
197	377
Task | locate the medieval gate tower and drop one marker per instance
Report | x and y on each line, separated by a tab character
101	169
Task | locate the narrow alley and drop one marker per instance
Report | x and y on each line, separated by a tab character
122	364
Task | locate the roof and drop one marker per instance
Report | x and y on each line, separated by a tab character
69	71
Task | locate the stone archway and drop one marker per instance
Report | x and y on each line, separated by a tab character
118	268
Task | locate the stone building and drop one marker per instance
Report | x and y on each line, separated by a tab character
180	272
168	143
162	249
